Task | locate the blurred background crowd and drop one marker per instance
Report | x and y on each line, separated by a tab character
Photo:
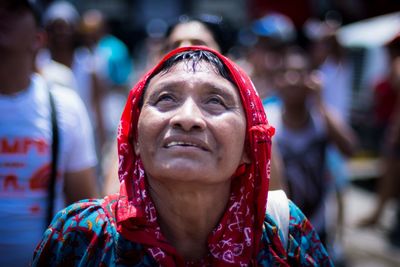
331	64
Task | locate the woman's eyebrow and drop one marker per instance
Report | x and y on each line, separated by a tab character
223	91
209	87
167	85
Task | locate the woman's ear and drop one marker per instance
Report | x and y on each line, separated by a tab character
245	158
136	148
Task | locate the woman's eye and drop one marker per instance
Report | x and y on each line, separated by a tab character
165	101
165	98
216	101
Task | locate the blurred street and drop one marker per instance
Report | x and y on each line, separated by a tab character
367	247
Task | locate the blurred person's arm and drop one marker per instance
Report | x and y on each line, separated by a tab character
79	155
80	185
339	132
388	184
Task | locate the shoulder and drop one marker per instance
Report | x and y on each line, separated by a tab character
70	109
89	208
284	216
65	96
297	219
86	216
83	232
303	246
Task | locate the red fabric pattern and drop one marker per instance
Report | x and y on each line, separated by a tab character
236	239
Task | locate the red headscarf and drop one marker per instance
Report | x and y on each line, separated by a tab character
236	239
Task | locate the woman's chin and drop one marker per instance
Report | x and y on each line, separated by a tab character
189	175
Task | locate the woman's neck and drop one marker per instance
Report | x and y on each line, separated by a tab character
187	214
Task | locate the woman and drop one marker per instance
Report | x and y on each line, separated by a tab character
184	32
206	30
194	150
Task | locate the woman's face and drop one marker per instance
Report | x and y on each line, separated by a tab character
191	33
192	126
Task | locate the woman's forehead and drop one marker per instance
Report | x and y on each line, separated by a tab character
184	70
184	73
193	66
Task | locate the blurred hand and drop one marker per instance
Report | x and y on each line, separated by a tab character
315	83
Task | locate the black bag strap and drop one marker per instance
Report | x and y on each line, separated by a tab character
54	159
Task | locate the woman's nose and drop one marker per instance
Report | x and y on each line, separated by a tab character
189	117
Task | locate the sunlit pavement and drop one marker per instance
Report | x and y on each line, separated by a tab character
367	247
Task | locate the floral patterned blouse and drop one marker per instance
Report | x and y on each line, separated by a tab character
85	234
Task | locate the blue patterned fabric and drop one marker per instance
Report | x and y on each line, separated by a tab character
85	234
